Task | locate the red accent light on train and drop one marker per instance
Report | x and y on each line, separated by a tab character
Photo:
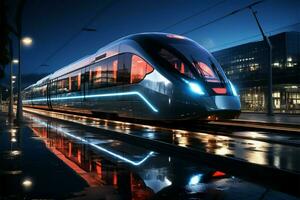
220	90
218	174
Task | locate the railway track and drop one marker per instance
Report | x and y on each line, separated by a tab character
282	135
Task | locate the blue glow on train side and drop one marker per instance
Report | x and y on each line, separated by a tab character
99	95
233	89
135	163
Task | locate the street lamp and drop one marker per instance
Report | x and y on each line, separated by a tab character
25	41
15	61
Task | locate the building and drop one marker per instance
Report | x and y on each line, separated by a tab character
246	66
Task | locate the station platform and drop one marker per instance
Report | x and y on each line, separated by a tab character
287	119
276	118
285	123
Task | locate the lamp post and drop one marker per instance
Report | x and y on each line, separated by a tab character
11	96
26	41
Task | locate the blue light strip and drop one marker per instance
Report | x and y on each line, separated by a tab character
98	95
135	163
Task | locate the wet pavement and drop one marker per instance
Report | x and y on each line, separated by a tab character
53	160
264	148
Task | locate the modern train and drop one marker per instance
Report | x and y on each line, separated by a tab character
147	76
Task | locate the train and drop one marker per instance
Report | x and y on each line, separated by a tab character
147	76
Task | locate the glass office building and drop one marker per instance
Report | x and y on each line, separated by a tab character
247	66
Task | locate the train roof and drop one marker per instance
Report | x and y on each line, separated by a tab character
109	49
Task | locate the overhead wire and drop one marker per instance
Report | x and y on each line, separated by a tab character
222	17
194	15
77	33
254	36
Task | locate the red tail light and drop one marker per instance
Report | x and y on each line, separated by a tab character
220	90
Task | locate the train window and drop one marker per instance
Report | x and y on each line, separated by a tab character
206	72
53	87
43	90
75	82
98	75
139	69
176	63
112	70
123	76
63	85
202	61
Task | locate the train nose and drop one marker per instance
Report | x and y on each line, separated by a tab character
226	102
225	107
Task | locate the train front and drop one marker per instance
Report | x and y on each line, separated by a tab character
201	89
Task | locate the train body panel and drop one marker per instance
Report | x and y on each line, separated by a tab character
151	76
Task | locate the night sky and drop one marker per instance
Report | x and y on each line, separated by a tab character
58	23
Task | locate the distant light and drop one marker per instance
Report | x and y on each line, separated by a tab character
195	179
289	59
15	153
196	88
13	139
276	64
233	89
26	41
14	77
27	183
15	61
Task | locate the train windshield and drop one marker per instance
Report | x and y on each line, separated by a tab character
198	58
201	61
185	56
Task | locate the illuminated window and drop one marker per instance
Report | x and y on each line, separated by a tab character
103	73
63	85
112	70
139	69
75	82
123	73
176	63
98	75
207	72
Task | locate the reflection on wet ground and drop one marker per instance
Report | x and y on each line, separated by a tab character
47	159
251	149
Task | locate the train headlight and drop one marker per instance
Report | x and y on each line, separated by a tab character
194	180
196	88
233	89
